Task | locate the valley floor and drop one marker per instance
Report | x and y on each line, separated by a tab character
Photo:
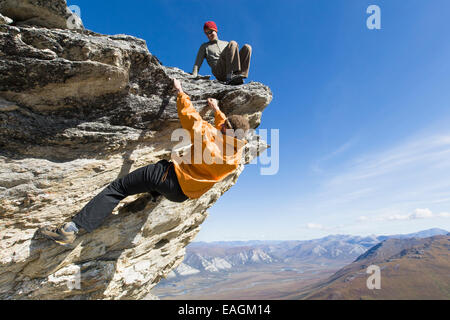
272	282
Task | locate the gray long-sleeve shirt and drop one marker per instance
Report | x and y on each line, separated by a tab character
211	51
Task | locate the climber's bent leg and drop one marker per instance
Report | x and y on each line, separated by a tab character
245	55
228	63
99	208
146	179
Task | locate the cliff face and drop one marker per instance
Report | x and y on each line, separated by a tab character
77	110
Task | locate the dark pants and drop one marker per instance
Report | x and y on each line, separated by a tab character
146	179
233	60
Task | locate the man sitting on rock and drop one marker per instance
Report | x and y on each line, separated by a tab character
178	180
227	63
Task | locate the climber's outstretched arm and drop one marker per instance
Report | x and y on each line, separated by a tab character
187	113
189	117
177	86
219	118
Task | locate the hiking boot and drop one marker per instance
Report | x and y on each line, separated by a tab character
236	80
64	235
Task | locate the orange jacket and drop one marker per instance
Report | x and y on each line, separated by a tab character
212	156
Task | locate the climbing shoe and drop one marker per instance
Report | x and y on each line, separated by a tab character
235	80
63	235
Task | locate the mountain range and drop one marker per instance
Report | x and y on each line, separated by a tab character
409	268
203	257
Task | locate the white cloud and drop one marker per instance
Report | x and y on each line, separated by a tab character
444	215
316	167
396	217
400	184
340	150
362	219
406	175
422	214
431	151
418	213
315	226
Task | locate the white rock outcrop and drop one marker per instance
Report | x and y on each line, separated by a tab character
47	14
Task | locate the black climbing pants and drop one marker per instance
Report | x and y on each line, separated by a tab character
157	179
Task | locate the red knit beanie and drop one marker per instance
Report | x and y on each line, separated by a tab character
210	25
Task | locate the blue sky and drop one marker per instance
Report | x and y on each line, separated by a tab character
363	114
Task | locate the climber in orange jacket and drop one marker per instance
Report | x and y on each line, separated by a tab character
215	153
223	149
